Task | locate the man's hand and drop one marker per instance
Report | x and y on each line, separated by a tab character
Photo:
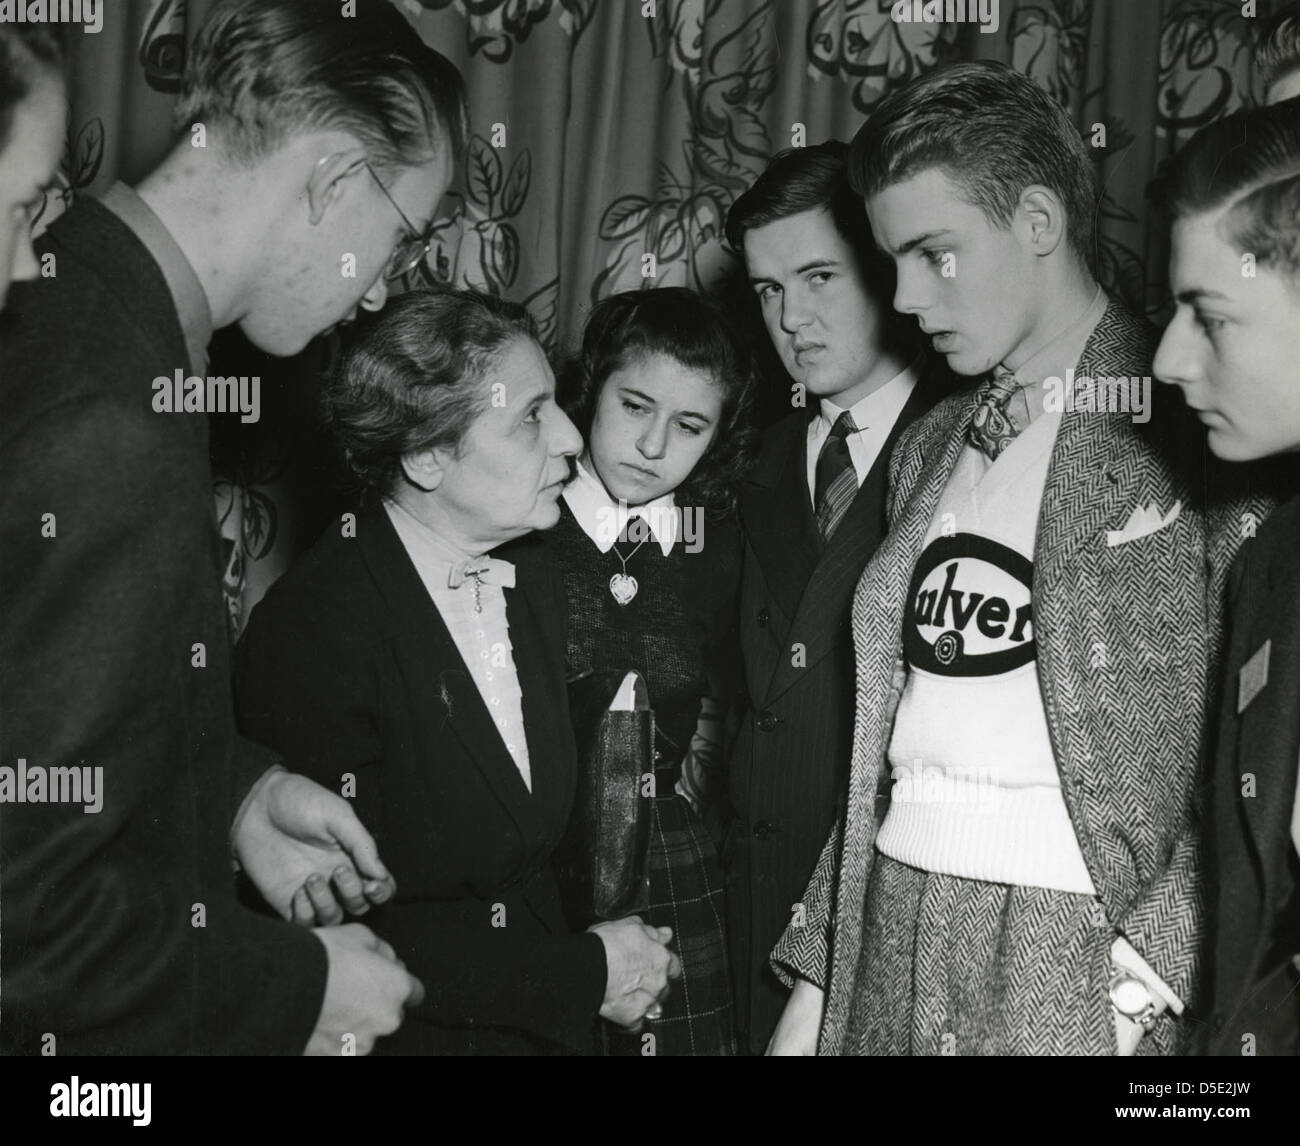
639	967
365	991
801	1022
305	850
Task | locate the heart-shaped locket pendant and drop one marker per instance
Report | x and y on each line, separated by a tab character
623	587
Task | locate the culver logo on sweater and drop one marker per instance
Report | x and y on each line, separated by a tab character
969	609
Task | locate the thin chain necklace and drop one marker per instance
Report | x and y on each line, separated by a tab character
623	586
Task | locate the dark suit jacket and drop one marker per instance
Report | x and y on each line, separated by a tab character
792	750
1257	913
348	667
98	627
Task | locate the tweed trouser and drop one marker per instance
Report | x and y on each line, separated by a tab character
962	967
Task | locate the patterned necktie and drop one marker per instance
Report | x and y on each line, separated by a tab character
837	480
992	429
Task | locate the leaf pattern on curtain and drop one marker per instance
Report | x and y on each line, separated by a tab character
1204	50
249	520
495	27
1050	42
163	46
477	245
681	225
856	41
631	136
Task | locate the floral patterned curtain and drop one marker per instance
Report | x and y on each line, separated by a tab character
611	136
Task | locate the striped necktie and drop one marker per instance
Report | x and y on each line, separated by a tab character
837	480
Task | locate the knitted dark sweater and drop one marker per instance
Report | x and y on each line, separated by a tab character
675	631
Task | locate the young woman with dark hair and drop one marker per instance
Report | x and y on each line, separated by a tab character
649	550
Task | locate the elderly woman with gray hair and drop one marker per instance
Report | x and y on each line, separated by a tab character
400	663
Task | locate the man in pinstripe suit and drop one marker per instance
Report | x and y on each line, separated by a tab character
813	513
1017	869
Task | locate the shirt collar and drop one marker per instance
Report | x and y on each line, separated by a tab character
427	548
603	519
187	292
882	406
1061	354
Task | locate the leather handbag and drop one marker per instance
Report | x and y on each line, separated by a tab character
603	861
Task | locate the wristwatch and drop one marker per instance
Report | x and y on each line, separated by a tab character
1132	998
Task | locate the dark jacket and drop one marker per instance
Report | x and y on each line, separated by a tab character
1256	909
113	654
348	667
791	757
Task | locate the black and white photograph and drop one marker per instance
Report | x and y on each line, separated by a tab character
650	529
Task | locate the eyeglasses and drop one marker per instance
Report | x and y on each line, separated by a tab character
410	251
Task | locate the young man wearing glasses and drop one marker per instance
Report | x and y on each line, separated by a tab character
413	247
122	934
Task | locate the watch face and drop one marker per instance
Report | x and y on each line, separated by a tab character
1130	996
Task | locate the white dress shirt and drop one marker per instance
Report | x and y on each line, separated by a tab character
482	638
874	417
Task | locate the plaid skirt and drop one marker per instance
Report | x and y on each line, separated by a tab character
953	966
686	894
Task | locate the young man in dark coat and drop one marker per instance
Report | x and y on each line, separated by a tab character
1233	348
314	143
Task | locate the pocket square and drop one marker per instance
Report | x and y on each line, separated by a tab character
1143	521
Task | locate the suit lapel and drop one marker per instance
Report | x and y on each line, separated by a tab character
538	645
922	475
427	653
819	623
777	514
1087	486
1084	492
1102	468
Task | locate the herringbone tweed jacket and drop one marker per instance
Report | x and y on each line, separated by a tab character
1128	639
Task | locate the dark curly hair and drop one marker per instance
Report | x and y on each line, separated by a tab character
695	331
412	378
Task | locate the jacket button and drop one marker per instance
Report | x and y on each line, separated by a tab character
763	617
768	721
765	828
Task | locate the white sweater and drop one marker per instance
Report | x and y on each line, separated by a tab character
977	793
